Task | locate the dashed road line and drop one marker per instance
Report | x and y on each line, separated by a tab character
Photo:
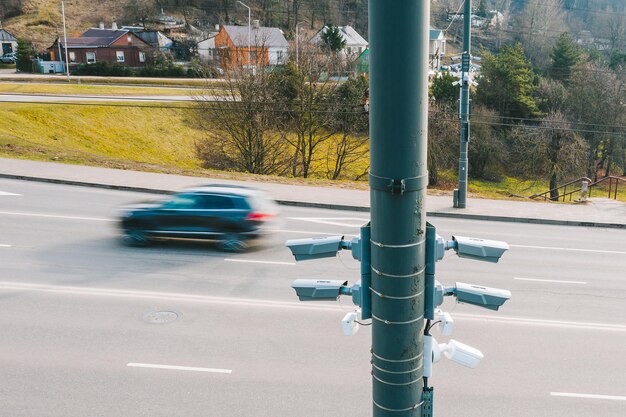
179	368
251	261
555	281
588	396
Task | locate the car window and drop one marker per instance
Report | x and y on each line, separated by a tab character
181	202
215	202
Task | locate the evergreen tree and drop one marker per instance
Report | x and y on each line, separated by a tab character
443	91
24	56
332	39
507	83
565	55
482	9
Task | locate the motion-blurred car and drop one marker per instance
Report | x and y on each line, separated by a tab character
230	215
8	58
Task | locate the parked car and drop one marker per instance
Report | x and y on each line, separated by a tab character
231	215
9	58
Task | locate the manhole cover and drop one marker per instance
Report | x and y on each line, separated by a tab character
160	317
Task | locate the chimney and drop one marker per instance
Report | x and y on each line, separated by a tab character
114	26
255	24
101	26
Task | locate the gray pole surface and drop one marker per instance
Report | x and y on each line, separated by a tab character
464	105
399	33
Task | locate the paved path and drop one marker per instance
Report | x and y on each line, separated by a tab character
598	212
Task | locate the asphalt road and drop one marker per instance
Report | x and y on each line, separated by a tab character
91	327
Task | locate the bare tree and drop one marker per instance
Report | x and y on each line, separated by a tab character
349	145
308	121
240	125
538	22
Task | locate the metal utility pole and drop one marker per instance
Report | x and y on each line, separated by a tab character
249	16
399	33
460	194
67	62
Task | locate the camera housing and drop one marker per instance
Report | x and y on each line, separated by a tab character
479	249
349	324
461	353
319	289
315	247
490	298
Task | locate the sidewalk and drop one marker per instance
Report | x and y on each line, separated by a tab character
598	212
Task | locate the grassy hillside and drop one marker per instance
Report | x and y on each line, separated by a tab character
123	137
42	22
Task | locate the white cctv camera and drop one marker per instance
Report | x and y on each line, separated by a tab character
458	352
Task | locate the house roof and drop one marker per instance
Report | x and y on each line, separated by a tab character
6	36
153	37
436	34
348	33
269	37
97	38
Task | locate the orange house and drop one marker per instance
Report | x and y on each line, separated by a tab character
250	46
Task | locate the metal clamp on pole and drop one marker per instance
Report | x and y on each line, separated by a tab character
398	186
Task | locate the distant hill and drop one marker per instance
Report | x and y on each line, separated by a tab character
41	20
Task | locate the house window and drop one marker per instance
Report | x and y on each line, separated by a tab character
349	51
279	57
120	56
72	56
142	56
91	57
129	39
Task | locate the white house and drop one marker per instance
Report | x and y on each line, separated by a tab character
436	48
8	42
206	49
355	44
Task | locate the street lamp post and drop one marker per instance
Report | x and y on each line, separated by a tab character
67	62
246	6
297	47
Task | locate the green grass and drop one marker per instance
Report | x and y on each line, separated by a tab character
74	89
109	136
163	140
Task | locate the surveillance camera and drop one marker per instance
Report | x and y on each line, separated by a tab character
315	248
461	353
349	324
479	249
491	298
319	290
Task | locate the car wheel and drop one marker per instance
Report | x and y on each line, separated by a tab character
135	238
232	242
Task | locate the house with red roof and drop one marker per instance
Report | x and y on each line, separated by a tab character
113	46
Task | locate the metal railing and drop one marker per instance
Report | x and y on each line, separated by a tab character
562	191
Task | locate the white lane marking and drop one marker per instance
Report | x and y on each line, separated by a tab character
569	249
334	306
556	281
53	216
333	221
590	396
5	246
179	368
148	295
250	261
308	232
7	193
542	322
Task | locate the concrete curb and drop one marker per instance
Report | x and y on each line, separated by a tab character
331	206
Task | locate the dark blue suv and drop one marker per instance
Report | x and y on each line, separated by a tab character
230	215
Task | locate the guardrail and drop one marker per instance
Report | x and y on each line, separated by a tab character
562	192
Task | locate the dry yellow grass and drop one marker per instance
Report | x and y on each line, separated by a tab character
42	21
